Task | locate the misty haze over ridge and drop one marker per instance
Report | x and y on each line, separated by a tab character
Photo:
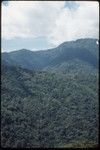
46	49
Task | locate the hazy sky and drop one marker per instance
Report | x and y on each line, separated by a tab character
37	25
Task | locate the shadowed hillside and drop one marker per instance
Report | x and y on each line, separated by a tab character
50	98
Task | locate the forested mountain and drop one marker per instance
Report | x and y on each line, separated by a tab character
84	50
50	98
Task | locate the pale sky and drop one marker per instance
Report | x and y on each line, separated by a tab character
37	25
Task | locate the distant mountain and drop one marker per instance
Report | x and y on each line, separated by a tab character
83	51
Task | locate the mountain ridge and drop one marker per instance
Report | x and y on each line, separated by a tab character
66	42
82	49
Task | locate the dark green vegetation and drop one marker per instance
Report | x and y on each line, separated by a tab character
52	106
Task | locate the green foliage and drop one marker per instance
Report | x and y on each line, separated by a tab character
54	101
46	109
80	144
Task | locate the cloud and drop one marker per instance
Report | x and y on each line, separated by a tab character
73	24
29	19
51	19
71	4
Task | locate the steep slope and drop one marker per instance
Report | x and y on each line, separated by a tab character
41	109
83	50
50	98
